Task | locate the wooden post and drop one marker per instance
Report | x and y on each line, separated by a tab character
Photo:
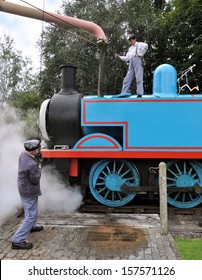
163	198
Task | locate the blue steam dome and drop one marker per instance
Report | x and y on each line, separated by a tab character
165	81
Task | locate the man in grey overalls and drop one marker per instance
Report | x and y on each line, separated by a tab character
29	174
134	56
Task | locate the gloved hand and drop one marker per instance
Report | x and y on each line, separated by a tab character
39	158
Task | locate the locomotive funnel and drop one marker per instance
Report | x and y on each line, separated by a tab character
68	79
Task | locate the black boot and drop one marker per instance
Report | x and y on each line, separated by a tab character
36	228
22	245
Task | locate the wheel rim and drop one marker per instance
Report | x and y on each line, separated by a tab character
106	179
184	174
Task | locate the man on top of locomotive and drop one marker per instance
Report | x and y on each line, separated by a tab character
134	56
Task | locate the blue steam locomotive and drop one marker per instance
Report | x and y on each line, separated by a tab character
118	141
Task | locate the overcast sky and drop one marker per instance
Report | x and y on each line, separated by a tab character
25	31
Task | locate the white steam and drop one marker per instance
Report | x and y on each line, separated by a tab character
56	196
11	146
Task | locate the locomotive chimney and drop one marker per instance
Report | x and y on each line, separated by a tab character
68	79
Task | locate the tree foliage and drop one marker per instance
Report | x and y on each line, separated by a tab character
15	71
184	44
18	84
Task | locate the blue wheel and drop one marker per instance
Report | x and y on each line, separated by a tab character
106	179
184	174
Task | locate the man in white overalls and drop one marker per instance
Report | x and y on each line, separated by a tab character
134	56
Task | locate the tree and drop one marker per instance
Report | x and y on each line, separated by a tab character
18	84
15	71
184	43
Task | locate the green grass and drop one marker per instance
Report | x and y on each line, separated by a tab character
190	249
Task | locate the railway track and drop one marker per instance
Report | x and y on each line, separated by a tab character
139	209
144	207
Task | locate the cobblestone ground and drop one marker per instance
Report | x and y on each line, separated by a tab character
95	236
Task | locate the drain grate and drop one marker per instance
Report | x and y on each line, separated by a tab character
98	236
115	237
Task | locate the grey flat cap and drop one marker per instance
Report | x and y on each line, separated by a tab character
32	145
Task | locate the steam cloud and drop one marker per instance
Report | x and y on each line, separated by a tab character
56	196
11	146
